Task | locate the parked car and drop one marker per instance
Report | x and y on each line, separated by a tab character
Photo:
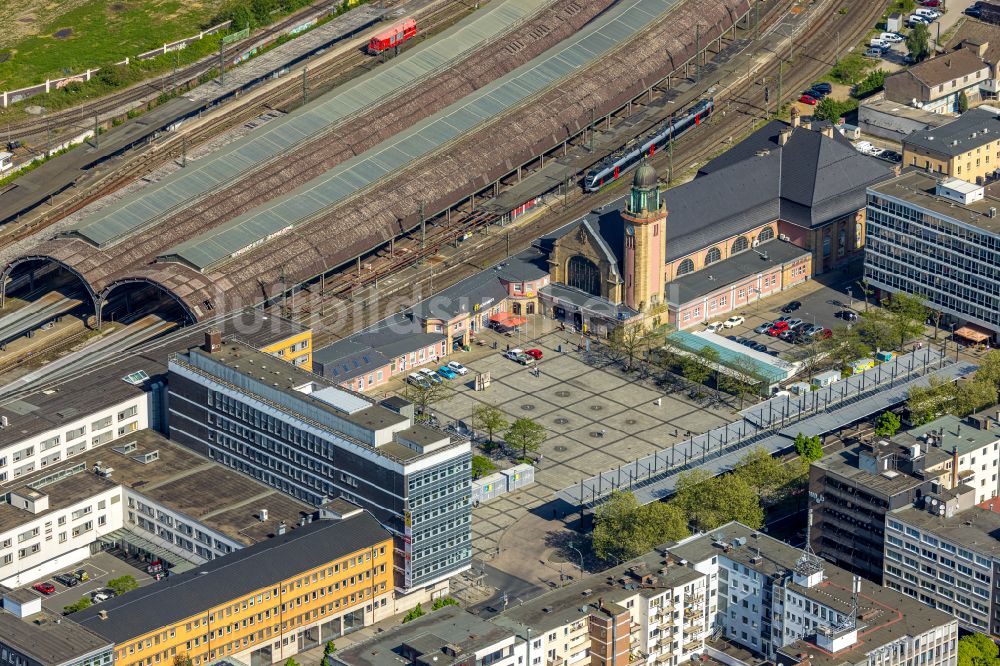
815	94
762	328
930	3
928	13
45	588
513	353
777	328
458	368
525	359
68	579
757	346
846	315
823	87
97	596
791	307
714	326
824	334
418	380
787	336
733	321
891	38
813	330
808	99
447	372
534	353
794	323
83	576
430	375
874	53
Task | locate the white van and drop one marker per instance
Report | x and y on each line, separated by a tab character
927	13
890	38
878	43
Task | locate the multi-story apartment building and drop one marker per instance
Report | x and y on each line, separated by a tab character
967	148
945	553
314	440
938	83
941	239
652	610
260	604
856	488
447	637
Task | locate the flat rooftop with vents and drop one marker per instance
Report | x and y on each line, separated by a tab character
963	202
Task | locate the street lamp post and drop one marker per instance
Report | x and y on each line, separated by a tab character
850	294
582	571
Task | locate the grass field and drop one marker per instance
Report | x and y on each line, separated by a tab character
50	38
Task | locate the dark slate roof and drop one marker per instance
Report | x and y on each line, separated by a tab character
957	137
218	581
727	271
372	348
577	299
532	264
483	288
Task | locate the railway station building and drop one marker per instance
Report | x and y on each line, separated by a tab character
785	204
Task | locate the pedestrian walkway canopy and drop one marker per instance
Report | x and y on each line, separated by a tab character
974	333
177	559
731	354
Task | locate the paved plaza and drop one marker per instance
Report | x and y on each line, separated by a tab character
596	417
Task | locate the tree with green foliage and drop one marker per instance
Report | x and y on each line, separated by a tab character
183	660
963	102
887	424
291	662
875	330
526	435
741	378
481	466
694	369
873	82
415	612
83	603
490	419
710	501
971	395
808	448
122	584
624	529
328	651
906	316
849	69
844	346
977	650
441	602
989	367
833	110
764	473
926	403
918	42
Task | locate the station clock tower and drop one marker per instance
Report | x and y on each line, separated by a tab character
645	222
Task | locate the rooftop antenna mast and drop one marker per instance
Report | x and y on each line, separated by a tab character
808	561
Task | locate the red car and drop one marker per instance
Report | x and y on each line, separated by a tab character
824	334
808	99
777	328
45	588
534	353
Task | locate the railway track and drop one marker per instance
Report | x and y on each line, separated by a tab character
82	116
341	307
285	96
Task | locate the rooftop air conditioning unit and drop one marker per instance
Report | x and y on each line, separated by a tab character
784	237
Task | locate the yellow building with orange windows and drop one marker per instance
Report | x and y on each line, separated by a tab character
261	604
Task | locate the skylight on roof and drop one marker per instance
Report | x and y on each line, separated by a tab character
136	378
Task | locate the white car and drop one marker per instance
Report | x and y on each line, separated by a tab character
512	354
733	321
416	379
714	326
458	367
891	38
430	375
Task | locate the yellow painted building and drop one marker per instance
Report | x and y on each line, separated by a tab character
261	604
967	148
296	349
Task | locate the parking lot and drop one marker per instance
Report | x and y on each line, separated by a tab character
101	568
818	306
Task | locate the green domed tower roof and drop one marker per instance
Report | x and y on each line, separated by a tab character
645	197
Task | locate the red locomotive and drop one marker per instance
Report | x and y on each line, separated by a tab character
393	36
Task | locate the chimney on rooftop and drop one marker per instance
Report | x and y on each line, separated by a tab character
827	131
103	614
796	116
954	466
784	135
213	341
